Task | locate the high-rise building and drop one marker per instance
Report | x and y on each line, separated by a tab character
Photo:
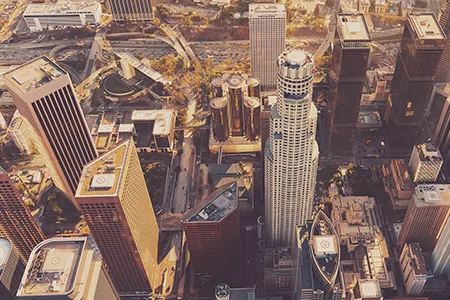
11	270
398	184
412	265
236	107
427	214
212	231
114	200
131	10
44	95
267	41
350	56
437	109
305	284
16	221
440	258
66	268
425	163
420	51
291	153
439	120
443	73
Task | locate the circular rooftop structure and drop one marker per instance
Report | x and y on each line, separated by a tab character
235	81
252	81
251	102
217	82
218	103
296	56
114	86
5	251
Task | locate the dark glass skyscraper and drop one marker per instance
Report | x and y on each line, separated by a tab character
350	57
420	51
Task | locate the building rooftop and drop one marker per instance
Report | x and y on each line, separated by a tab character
369	119
369	289
61	7
256	9
34	74
215	206
353	27
104	175
417	262
432	194
428	152
426	26
443	88
162	118
52	268
5	251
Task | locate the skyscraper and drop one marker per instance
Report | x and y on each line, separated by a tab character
267	40
44	95
16	221
440	258
350	56
114	200
291	152
426	216
212	231
11	270
420	52
443	71
425	163
66	268
412	265
131	10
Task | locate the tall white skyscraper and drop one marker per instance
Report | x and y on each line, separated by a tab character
440	258
267	40
291	152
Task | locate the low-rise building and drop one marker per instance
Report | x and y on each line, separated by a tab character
364	252
398	184
51	16
380	6
363	6
152	130
278	270
425	163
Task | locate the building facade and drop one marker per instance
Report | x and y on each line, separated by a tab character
427	214
212	230
420	51
267	41
44	95
440	258
443	73
412	264
350	56
51	16
16	221
114	200
66	268
11	270
291	153
425	163
131	10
